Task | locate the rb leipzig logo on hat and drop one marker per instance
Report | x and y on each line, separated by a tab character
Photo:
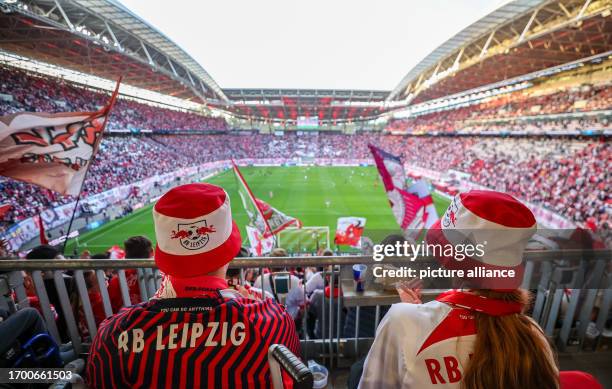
193	236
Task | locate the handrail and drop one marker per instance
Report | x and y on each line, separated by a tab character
254	262
548	273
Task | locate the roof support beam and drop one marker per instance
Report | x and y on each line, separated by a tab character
418	83
202	86
144	48
487	43
68	22
584	8
172	67
190	78
112	34
516	33
407	90
528	25
456	62
46	14
567	13
436	69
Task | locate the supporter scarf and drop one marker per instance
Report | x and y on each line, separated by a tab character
486	305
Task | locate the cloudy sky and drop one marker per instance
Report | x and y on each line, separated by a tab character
339	44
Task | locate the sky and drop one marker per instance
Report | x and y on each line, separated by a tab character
317	44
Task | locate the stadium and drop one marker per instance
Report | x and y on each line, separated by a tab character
123	157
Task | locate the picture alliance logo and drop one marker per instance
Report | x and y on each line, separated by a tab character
193	236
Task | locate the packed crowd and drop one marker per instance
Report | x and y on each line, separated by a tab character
21	91
475	118
535	127
570	180
569	176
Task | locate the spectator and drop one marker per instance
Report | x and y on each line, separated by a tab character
319	305
95	301
43	252
19	328
314	280
286	288
136	247
194	319
478	338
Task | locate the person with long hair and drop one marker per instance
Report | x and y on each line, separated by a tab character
478	337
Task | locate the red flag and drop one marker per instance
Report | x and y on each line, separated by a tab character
51	150
41	228
4	208
390	168
349	231
413	206
259	245
267	219
116	252
421	189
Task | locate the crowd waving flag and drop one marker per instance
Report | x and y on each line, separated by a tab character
349	231
51	150
413	206
268	220
420	188
390	168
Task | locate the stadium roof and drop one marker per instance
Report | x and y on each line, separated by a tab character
329	105
520	37
103	38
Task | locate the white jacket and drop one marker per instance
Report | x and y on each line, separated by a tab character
427	345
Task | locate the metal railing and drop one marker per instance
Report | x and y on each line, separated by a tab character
572	290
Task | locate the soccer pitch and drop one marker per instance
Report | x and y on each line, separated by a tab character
315	195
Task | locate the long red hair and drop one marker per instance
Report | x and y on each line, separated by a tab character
510	351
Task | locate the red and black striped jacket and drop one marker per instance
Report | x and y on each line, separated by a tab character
204	342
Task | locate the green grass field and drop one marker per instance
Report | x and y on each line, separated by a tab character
302	192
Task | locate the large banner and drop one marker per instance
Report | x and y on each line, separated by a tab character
349	230
51	150
267	219
259	245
